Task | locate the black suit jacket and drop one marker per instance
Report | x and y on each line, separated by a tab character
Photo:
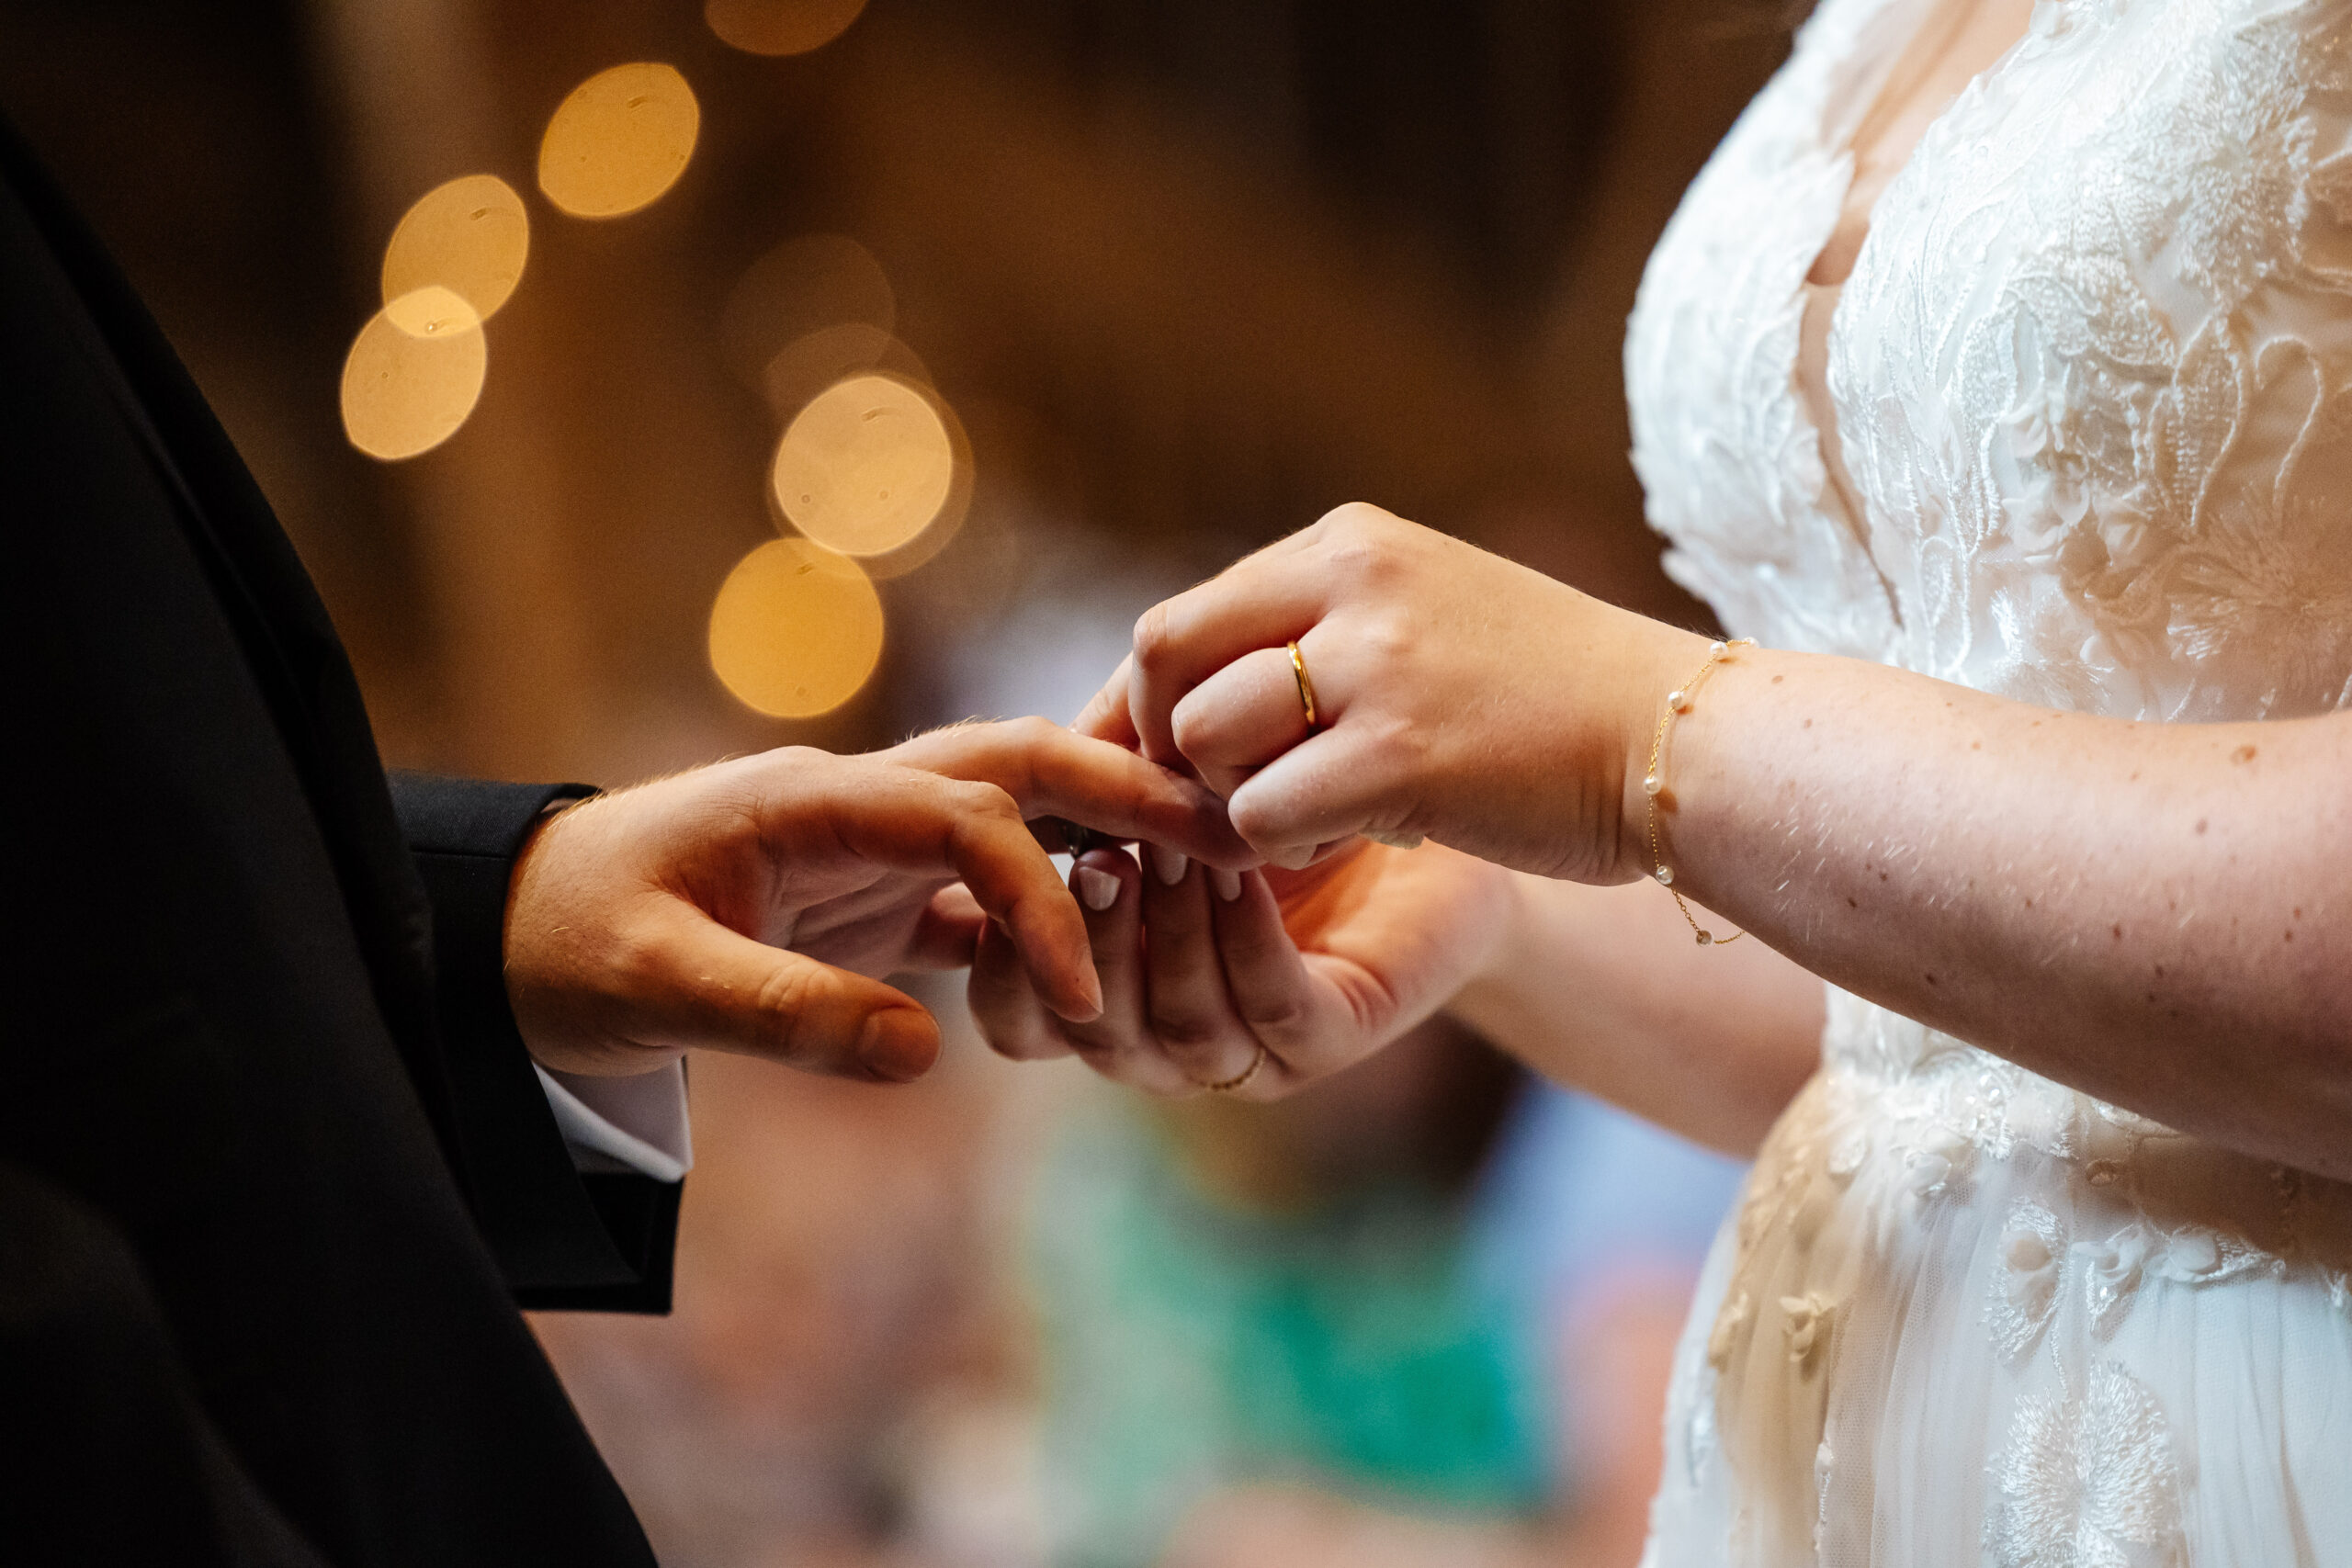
275	1170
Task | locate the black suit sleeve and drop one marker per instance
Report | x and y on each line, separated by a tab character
590	1241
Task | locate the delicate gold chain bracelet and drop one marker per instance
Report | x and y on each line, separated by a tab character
1678	702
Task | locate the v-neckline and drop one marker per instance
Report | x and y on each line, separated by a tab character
1836	141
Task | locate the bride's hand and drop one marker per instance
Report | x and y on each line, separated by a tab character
1262	980
1459	696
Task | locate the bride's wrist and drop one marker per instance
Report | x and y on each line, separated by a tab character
1660	665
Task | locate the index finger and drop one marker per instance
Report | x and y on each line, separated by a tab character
914	820
1052	772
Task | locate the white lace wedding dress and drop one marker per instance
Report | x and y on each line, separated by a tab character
2092	378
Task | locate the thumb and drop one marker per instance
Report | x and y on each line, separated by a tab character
698	984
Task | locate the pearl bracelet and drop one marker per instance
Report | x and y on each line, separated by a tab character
1678	702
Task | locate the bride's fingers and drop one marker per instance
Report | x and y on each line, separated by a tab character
1271	988
1189	1014
1241	719
1105	716
1329	789
1117	1044
1264	602
1005	1005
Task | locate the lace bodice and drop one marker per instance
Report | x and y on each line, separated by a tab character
2092	372
2092	382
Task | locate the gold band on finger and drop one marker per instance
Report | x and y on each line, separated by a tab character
1306	687
1240	1080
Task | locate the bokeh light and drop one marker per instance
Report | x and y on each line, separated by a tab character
413	373
619	140
949	520
470	235
780	26
802	368
805	285
797	630
865	466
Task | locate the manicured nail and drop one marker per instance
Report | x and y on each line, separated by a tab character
1097	887
1227	882
1169	864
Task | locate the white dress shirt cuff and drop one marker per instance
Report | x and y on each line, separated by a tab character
627	1125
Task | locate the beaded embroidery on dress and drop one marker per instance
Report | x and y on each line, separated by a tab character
2092	375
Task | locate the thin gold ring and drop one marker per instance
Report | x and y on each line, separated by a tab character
1240	1080
1306	687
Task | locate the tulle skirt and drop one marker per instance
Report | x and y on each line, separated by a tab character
1965	1316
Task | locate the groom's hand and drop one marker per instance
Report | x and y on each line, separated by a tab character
752	906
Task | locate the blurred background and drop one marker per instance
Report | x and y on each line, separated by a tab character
648	380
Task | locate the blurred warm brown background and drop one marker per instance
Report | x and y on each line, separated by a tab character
1182	274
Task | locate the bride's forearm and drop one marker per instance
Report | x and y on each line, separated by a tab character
1602	989
2160	914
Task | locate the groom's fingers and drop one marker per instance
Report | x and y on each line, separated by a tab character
1113	790
915	820
692	982
1050	770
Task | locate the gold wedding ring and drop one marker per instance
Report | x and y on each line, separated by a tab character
1240	1080
1305	693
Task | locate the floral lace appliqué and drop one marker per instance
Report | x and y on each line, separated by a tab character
2088	1481
2025	1288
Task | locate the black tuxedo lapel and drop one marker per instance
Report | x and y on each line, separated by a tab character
222	1085
297	662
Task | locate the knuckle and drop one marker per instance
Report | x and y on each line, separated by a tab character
1154	640
1366	545
1389	638
782	1004
1032	730
1194	728
1350	517
1186	1029
977	797
1361	562
636	960
1282	1017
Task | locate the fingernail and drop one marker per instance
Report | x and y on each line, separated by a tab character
1227	883
897	1046
1295	860
1169	864
1097	887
